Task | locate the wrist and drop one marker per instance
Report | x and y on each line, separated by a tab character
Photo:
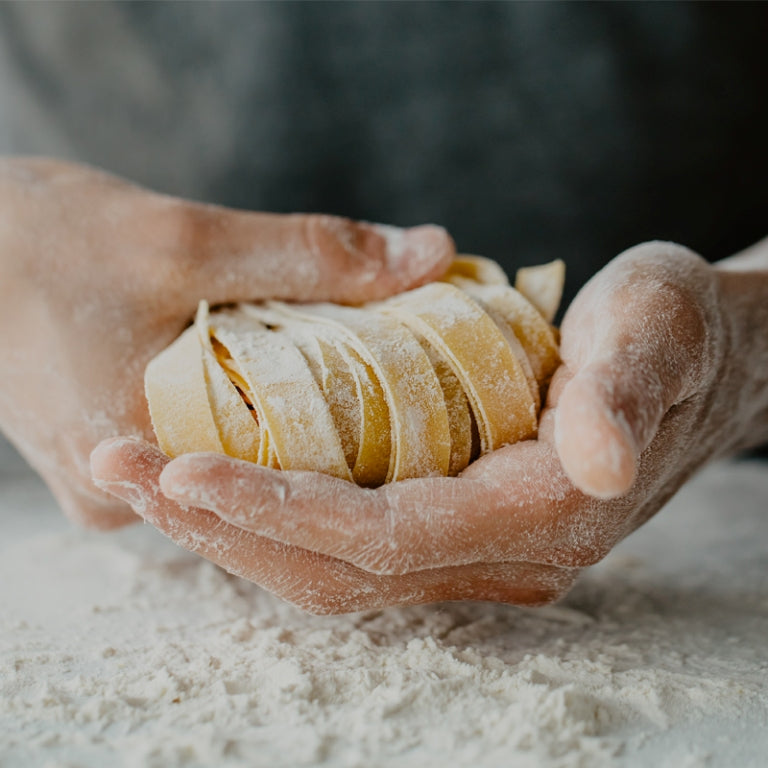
753	258
743	379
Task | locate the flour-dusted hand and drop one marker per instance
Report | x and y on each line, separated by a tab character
98	275
665	366
132	469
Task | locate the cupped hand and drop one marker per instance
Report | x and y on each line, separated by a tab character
98	275
655	380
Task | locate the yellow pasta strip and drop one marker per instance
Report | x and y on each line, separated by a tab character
316	338
421	444
329	369
535	334
480	357
239	431
177	393
477	268
291	408
542	285
506	327
375	444
457	405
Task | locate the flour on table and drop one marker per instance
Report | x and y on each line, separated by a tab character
120	649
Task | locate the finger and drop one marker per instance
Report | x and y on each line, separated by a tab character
236	255
382	531
313	581
594	436
636	343
514	509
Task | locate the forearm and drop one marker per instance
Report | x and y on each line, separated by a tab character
743	281
753	258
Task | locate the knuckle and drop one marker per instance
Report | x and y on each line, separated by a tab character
685	312
328	590
184	233
174	242
383	559
327	604
182	227
385	565
663	253
675	283
30	170
330	236
586	539
389	551
312	606
345	244
578	556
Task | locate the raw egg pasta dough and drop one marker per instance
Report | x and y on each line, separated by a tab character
417	385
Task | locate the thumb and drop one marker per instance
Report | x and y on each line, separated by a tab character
235	256
605	417
637	342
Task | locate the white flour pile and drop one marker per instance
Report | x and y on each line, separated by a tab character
123	650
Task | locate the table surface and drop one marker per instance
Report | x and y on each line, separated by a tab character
121	649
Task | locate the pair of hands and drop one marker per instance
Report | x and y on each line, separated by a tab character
99	275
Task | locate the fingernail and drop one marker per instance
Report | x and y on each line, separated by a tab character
417	251
129	492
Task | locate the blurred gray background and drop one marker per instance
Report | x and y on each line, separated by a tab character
531	131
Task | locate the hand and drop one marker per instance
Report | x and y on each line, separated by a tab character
657	378
98	275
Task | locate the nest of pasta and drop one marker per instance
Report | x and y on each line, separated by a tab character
417	385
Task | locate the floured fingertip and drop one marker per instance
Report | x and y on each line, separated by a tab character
418	254
203	479
596	448
116	457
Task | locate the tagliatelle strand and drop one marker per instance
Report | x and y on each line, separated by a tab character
329	368
238	428
478	269
457	406
542	285
418	417
375	446
177	393
476	350
290	406
535	334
